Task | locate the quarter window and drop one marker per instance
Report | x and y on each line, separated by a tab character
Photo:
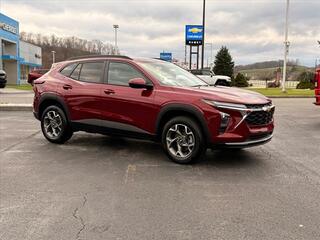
121	73
76	72
91	72
66	71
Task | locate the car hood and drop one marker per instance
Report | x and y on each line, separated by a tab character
229	94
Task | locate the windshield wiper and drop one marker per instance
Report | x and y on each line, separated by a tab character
200	85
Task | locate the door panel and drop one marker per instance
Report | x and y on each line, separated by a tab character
126	105
82	99
129	106
81	89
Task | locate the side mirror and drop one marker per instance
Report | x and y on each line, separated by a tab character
139	83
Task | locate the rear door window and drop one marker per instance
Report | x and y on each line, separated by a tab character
92	72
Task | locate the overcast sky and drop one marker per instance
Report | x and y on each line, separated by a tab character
253	30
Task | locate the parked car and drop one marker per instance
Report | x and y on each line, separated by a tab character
317	86
209	77
35	74
151	99
3	78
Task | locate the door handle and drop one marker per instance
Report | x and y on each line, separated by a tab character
67	86
109	91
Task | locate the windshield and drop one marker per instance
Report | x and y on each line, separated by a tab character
169	74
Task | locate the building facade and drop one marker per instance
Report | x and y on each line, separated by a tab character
17	58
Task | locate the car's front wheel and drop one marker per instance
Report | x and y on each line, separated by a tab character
55	126
183	140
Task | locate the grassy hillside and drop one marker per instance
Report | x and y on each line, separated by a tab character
270	73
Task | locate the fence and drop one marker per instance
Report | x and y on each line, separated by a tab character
262	84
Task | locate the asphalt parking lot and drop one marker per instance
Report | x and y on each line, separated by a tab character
98	187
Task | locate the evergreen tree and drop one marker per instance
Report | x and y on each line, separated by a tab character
223	64
241	81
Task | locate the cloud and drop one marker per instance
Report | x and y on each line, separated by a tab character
252	29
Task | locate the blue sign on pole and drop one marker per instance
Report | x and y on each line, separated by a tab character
194	34
166	56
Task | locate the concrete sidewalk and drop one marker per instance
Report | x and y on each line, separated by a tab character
15	100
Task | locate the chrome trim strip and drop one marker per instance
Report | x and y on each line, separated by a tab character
266	139
246	109
241	121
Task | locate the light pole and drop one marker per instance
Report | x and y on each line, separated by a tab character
286	49
53	56
203	25
116	26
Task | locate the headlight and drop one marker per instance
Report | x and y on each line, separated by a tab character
225	105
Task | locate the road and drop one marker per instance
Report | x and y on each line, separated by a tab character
98	187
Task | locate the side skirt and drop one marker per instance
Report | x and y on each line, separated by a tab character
113	129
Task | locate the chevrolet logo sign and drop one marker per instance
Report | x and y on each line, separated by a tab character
195	30
8	28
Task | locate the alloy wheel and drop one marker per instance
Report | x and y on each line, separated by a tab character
52	124
180	140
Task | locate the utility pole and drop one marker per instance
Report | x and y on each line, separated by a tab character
286	49
53	56
116	26
203	25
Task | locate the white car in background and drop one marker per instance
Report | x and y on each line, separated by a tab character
209	77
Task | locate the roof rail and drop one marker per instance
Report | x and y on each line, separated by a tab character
99	56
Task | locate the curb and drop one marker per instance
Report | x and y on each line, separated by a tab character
290	96
16	92
16	107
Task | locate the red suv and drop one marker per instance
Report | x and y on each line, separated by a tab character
149	98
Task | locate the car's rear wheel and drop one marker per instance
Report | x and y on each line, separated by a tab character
183	140
55	126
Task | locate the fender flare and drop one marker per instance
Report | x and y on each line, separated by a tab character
192	110
53	97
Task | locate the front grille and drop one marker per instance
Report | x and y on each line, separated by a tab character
259	117
255	106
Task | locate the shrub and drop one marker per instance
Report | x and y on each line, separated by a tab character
241	81
306	80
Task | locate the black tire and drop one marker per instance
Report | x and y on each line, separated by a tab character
169	133
66	131
2	85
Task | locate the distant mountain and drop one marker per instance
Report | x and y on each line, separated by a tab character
271	70
266	64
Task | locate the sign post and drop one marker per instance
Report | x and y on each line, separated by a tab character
194	37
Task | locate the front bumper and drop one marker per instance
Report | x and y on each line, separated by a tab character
247	127
317	102
3	82
248	143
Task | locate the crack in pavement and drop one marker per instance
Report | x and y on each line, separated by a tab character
19	142
79	218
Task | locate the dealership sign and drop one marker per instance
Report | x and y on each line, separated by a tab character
194	34
9	28
166	56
